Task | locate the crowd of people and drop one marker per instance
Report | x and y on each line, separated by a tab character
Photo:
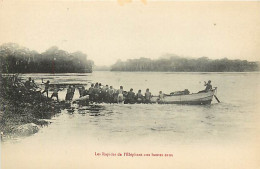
107	94
99	93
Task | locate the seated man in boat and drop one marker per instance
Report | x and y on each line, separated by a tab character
208	87
147	96
139	97
130	98
161	96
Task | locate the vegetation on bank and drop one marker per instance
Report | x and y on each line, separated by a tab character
179	64
17	59
19	106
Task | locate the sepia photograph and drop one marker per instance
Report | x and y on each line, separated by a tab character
129	84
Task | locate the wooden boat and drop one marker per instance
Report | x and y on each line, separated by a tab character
200	98
194	98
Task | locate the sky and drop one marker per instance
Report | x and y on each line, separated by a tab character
108	30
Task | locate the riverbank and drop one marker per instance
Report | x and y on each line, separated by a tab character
22	111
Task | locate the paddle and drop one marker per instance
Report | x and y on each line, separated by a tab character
216	98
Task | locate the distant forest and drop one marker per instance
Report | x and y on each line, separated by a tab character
17	59
180	64
101	68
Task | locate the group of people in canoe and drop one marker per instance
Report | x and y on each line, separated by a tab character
99	93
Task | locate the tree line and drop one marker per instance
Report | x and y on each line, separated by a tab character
18	59
180	64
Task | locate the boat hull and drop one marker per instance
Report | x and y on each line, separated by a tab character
193	99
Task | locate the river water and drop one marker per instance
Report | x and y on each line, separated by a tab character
73	138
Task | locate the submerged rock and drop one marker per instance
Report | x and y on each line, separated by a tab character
26	129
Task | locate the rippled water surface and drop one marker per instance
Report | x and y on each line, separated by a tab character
235	118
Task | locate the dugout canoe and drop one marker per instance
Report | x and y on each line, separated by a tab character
200	98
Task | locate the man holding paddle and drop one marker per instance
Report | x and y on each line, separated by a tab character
208	86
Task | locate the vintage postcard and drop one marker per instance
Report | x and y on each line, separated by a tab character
129	84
